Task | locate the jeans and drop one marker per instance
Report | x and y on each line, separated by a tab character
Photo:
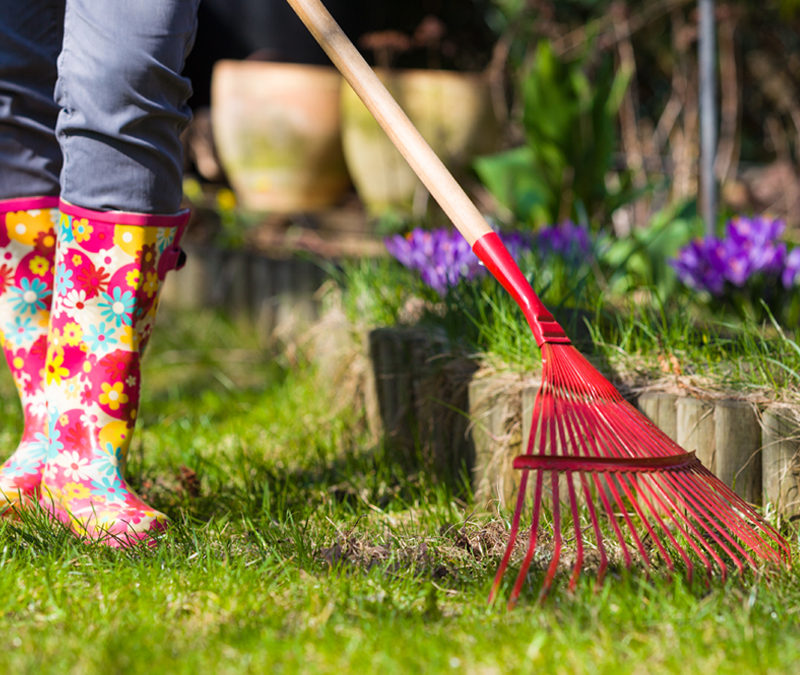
92	101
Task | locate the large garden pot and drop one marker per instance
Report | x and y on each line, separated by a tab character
277	131
453	112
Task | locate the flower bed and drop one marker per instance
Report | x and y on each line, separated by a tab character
727	391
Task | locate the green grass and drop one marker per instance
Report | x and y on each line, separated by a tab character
632	338
741	357
299	546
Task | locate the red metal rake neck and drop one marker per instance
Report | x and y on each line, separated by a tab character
492	253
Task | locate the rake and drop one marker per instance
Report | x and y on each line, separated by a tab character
591	457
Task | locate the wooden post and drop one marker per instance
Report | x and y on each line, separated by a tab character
737	436
440	392
661	409
781	458
496	482
389	355
695	429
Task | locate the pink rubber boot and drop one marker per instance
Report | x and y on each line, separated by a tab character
109	269
27	248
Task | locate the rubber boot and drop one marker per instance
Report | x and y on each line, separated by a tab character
27	248
109	269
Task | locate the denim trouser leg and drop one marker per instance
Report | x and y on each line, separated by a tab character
123	102
30	40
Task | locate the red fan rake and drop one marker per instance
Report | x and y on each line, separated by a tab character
588	444
593	460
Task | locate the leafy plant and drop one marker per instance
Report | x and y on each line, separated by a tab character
569	118
642	259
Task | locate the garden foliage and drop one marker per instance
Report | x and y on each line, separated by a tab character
570	122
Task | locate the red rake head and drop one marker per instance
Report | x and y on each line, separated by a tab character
594	457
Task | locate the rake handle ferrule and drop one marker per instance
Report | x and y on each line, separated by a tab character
492	252
573	463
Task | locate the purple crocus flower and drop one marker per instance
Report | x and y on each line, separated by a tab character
702	264
443	257
791	271
756	241
566	239
750	248
755	231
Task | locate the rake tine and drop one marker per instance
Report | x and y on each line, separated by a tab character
543	426
626	517
512	538
686	527
552	436
565	416
526	562
571	424
521	495
706	520
754	520
601	571
578	534
601	492
635	503
557	537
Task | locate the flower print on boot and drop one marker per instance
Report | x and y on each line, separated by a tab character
109	269
27	249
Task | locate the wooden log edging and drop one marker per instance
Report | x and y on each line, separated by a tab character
422	396
753	449
278	294
435	407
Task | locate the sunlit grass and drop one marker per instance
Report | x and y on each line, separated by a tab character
298	545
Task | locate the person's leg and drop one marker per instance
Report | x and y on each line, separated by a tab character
30	41
124	105
30	162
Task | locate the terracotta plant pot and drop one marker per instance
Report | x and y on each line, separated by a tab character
277	131
453	111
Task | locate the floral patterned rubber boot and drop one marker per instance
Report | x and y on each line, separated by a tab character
109	269
27	248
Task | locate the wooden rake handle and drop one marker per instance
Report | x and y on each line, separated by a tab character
427	166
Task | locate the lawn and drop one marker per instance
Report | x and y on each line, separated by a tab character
299	546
